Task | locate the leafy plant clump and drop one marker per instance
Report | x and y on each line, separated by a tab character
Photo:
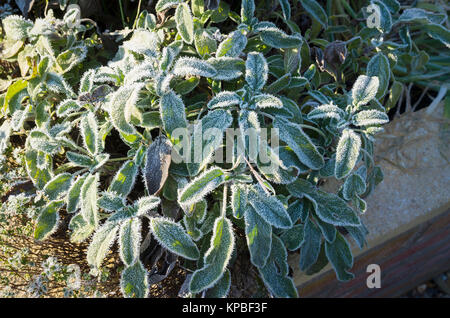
100	139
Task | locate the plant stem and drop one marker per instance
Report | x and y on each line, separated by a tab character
137	14
224	203
122	14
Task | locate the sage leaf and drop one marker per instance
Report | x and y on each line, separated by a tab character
347	153
173	237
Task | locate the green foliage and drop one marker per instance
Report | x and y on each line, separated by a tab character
93	123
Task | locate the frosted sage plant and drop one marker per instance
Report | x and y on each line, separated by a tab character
99	144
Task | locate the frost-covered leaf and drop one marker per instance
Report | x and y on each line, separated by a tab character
216	257
392	5
124	98
205	44
259	237
143	42
364	90
370	117
81	229
233	45
172	110
247	11
347	153
146	204
329	207
353	185
185	24
238	200
267	101
39	176
124	180
311	246
189	66
269	208
198	188
212	125
224	99
228	68
438	32
326	111
221	288
316	11
130	240
276	38
157	165
89	197
279	84
48	219
134	281
256	71
384	16
379	66
286	8
67	106
340	257
15	94
68	59
300	143
275	273
102	241
73	196
58	185
328	230
162	5
293	238
418	15
80	160
111	201
173	237
89	132
40	141
16	27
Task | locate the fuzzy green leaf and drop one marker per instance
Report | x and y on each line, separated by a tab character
256	71
216	257
370	117
233	45
185	24
134	281
340	257
316	11
269	208
379	66
73	196
173	237
347	153
129	240
300	143
259	237
189	66
47	221
102	241
172	110
198	188
89	197
276	38
364	90
124	180
224	99
329	207
275	273
58	185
